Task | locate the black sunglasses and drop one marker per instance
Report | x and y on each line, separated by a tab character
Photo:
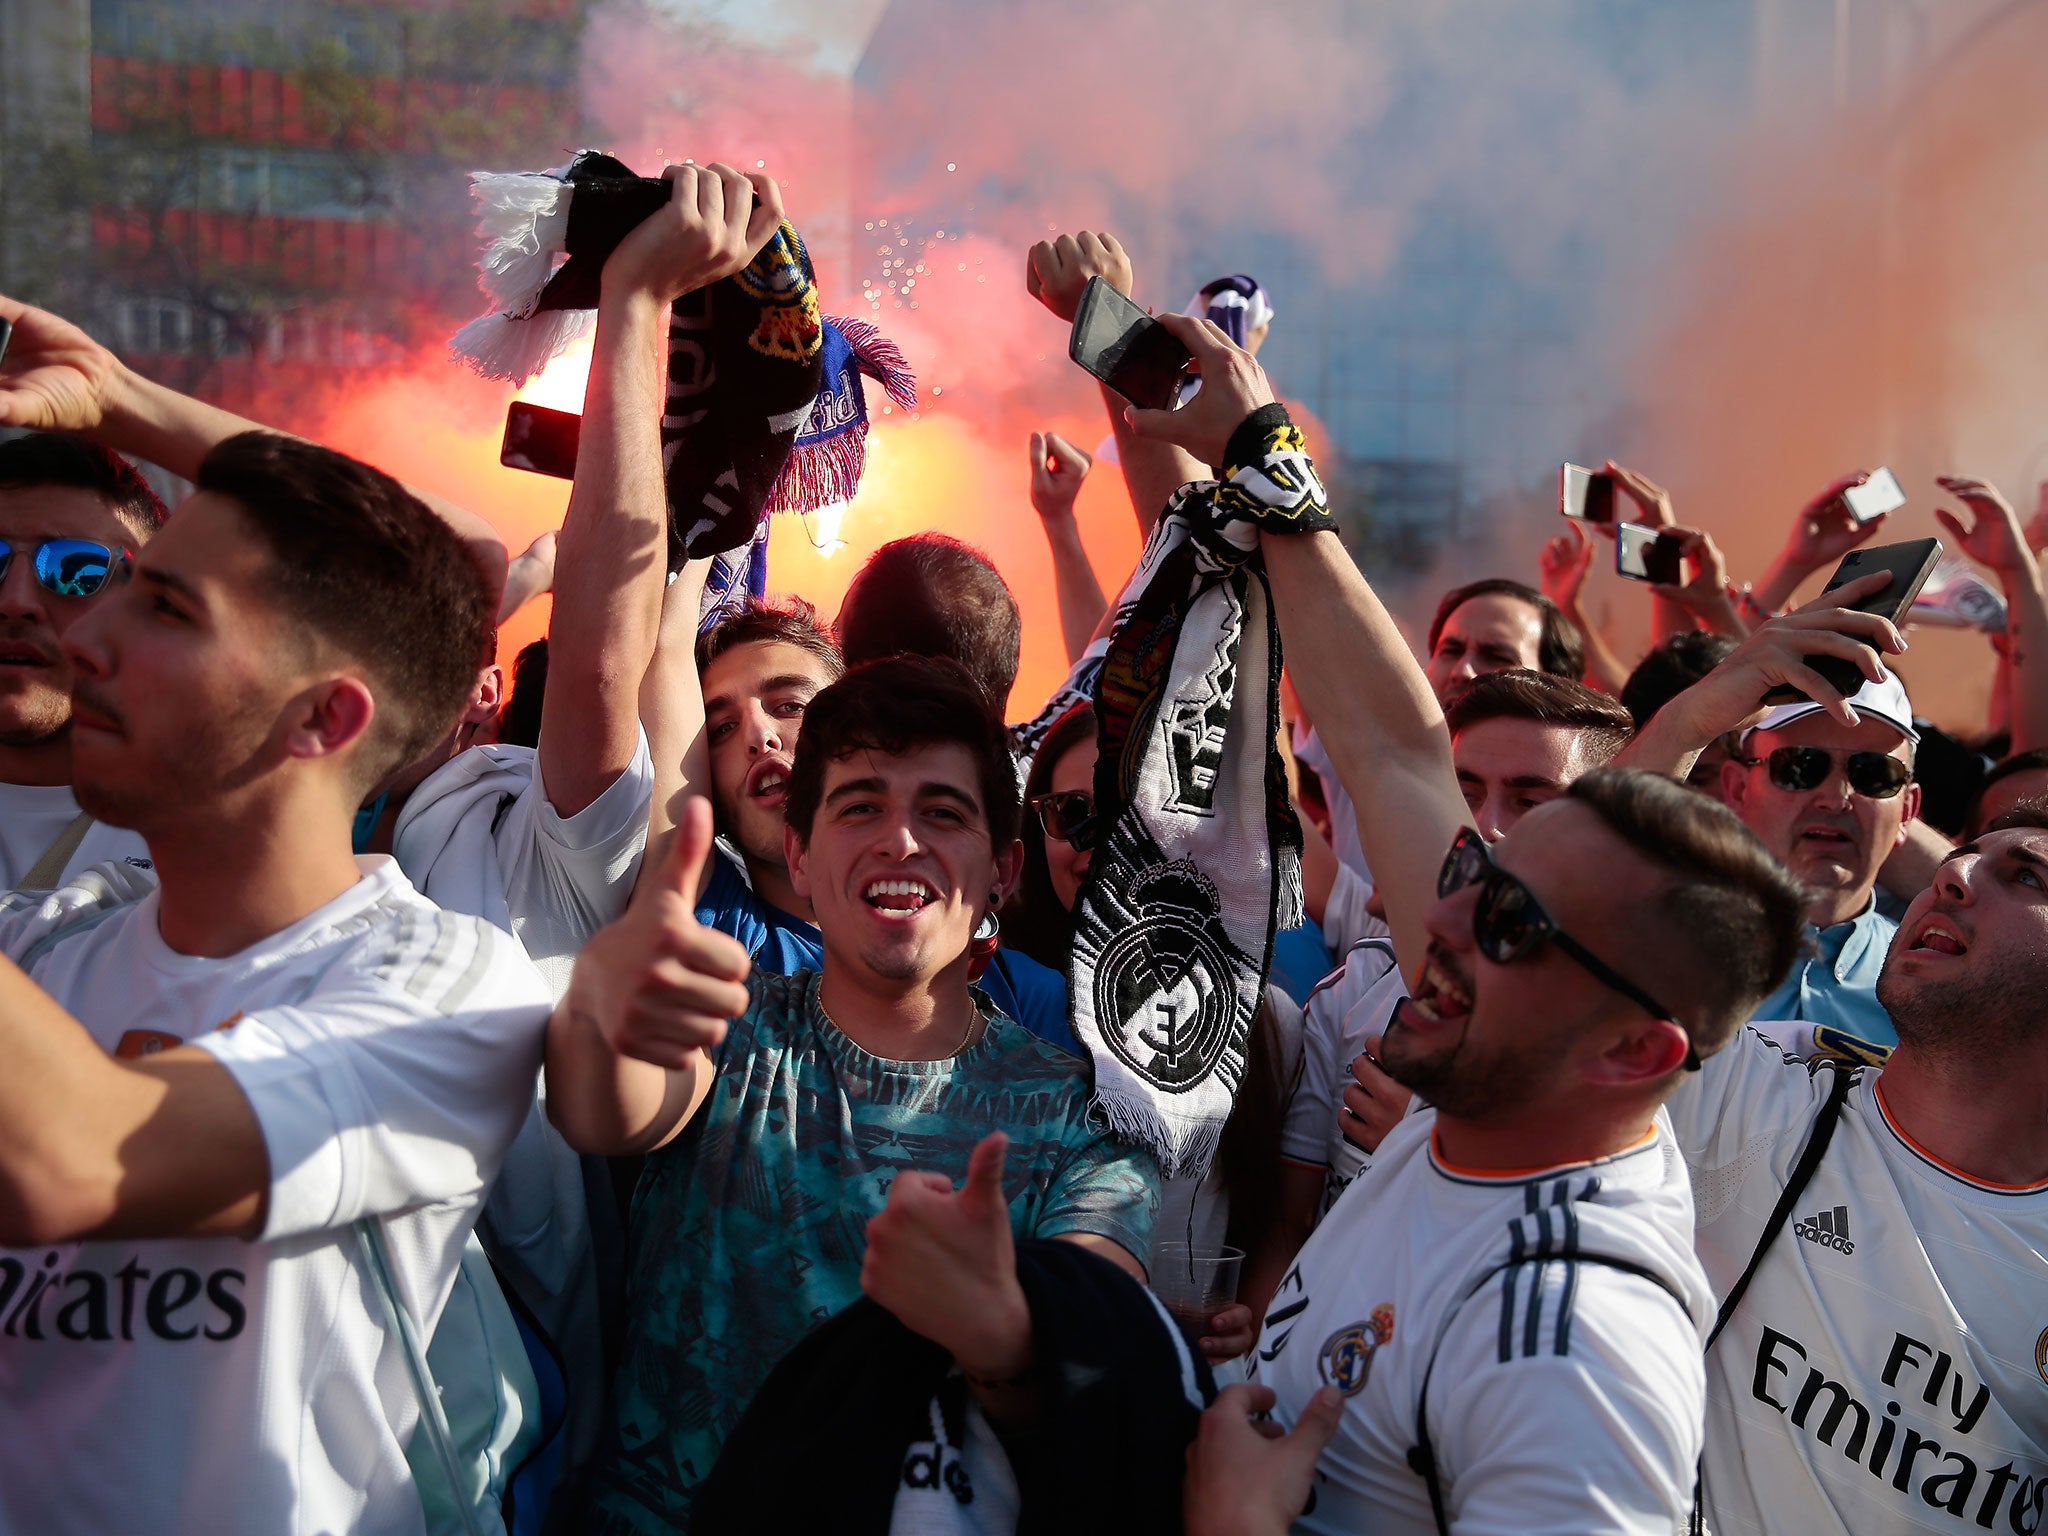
1068	816
68	567
1509	924
1874	775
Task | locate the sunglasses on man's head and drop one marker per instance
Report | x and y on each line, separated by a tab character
1509	924
1874	775
68	567
1068	816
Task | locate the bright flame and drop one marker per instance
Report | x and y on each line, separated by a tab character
560	385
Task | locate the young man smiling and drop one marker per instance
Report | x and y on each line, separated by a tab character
772	1142
211	1087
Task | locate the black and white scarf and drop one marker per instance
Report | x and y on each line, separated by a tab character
1197	859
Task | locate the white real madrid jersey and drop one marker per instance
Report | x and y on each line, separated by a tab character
212	1385
1887	1369
1566	1394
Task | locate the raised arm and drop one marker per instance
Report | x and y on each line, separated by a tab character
1055	273
611	562
1372	706
1566	562
55	378
93	1146
1057	470
672	714
1820	535
1994	539
1731	695
628	1049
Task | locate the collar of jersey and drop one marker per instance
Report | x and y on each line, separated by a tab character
1450	1169
1987	1185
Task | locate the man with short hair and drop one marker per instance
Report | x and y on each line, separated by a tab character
234	1099
1518	740
1494	625
931	595
756	672
2023	776
1881	1368
1832	801
770	1142
1513	1313
70	513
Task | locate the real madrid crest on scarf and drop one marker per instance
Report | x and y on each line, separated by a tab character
1197	859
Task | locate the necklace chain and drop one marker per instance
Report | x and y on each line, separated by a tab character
966	1037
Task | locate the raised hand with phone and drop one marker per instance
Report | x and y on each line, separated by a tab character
1824	530
1057	274
1780	654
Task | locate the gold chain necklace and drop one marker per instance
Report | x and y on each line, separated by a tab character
966	1038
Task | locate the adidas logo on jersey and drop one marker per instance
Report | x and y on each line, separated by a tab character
1828	1228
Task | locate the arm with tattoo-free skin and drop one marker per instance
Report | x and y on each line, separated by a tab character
1374	710
55	378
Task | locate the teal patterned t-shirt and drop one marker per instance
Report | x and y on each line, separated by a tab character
749	1227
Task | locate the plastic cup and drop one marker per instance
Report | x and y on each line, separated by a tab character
1196	1283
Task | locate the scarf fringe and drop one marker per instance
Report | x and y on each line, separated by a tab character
881	360
1187	1148
1290	904
523	222
821	473
500	347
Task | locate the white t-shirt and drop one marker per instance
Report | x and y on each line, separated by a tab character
1887	1369
479	836
1348	1007
1566	1396
33	816
212	1385
1344	841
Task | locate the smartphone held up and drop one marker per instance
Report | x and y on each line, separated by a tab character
1127	349
1586	495
1643	553
1909	565
541	440
1876	494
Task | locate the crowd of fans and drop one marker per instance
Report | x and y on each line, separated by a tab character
648	1099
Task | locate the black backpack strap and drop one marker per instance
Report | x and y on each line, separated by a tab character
1816	1148
1422	1454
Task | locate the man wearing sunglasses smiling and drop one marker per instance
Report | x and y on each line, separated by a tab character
71	515
1513	1282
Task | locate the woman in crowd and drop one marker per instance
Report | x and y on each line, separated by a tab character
1234	1203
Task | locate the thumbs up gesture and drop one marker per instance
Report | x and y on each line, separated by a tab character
657	984
944	1262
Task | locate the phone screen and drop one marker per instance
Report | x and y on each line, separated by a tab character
1586	494
1876	496
1126	348
1643	553
1910	564
541	440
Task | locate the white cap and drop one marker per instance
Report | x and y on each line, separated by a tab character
1886	701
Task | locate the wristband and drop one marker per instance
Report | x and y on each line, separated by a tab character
1250	442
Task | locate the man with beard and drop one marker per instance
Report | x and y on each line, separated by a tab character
1884	1368
1878	1234
71	513
771	1143
1507	1300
